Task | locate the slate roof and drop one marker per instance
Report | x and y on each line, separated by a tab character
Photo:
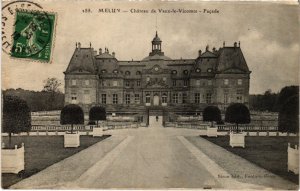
231	58
225	60
82	59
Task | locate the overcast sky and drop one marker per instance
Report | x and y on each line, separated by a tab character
269	36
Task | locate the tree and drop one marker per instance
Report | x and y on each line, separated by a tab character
16	116
237	113
52	87
286	93
71	114
97	113
289	116
212	113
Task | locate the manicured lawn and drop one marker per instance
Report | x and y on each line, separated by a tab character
267	152
43	151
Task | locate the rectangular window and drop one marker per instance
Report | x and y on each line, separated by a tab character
209	82
103	98
127	98
240	82
87	82
185	83
164	79
148	79
138	83
197	82
184	97
137	98
226	81
175	98
115	83
127	83
208	98
174	82
197	97
115	98
226	96
73	82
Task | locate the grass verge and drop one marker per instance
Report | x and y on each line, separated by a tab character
269	153
43	151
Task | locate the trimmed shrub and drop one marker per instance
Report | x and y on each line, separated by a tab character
212	113
289	116
97	113
16	116
71	114
237	113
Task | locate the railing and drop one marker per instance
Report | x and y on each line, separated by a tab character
42	113
109	125
60	127
221	127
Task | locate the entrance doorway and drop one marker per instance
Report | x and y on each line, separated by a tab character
156	100
155	121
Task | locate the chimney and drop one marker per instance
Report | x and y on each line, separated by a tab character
79	45
90	45
113	54
107	51
100	51
207	47
199	52
239	43
223	43
214	49
235	44
76	44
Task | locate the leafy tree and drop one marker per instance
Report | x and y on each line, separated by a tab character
289	116
51	86
71	114
237	113
286	93
16	116
97	113
212	113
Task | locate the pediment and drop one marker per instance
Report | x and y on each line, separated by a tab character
156	69
157	84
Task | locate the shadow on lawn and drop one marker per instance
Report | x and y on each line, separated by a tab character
43	151
269	153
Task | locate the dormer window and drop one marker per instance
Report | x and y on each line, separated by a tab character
80	70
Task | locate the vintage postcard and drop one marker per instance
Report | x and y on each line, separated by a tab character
150	95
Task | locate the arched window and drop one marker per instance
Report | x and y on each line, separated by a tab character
103	71
185	72
198	70
138	73
174	71
164	98
209	70
115	71
127	73
147	98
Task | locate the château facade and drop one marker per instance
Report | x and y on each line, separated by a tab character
157	85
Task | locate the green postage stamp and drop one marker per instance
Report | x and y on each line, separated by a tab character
33	35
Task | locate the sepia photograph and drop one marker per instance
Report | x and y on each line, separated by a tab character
150	95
